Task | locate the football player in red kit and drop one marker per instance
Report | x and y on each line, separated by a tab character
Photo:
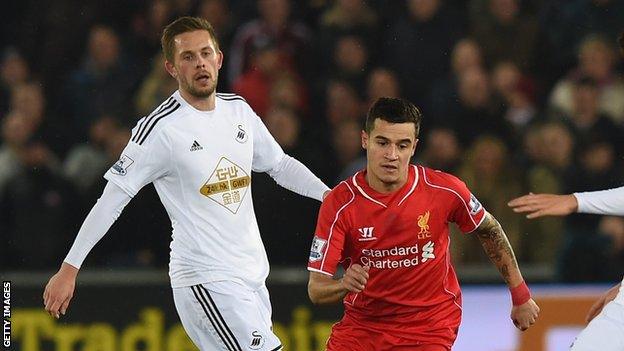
388	226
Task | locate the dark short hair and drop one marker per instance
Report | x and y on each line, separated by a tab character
621	42
184	25
393	110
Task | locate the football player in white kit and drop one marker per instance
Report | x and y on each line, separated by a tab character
605	331
199	148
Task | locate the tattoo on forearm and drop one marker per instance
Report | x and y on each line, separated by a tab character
496	246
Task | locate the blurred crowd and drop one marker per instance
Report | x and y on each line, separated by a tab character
518	96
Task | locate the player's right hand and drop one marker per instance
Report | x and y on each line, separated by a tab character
60	290
525	315
355	278
539	205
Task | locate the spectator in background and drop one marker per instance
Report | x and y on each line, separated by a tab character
345	18
564	23
504	33
103	84
585	118
146	28
516	94
154	88
17	131
418	45
291	38
29	99
347	150
486	170
382	82
14	70
596	60
342	102
351	60
550	149
441	150
221	16
33	196
256	83
288	91
286	126
86	162
466	55
477	112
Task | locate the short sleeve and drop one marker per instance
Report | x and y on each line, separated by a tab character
266	151
468	213
140	165
329	237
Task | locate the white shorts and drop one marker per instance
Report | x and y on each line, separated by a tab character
226	315
605	332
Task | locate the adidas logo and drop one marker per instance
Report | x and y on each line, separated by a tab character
196	146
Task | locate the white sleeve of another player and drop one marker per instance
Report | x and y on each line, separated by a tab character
295	176
102	216
606	202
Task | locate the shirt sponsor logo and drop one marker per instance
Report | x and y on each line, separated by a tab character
257	340
227	185
475	205
316	251
423	224
241	134
398	256
121	166
366	234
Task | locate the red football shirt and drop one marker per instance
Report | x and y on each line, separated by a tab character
404	238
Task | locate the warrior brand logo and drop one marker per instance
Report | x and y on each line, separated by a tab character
316	251
227	185
257	340
121	167
423	224
475	205
241	134
366	234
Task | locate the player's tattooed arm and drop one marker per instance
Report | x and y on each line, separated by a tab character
497	247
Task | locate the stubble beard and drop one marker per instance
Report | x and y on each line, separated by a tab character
200	93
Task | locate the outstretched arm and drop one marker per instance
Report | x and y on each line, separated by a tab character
497	247
606	202
60	289
295	176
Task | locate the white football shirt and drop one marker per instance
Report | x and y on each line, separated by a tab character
200	163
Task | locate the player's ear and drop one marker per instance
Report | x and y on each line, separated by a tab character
219	59
171	69
414	147
364	139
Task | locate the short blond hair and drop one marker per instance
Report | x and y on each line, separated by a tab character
184	25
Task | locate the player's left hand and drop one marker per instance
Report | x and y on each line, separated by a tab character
525	315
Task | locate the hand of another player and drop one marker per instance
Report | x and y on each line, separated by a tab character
525	315
60	290
539	205
355	278
601	302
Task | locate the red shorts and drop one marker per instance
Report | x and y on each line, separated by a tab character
433	330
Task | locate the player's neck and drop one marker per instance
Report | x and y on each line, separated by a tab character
199	103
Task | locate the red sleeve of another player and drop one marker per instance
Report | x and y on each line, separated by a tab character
468	212
328	242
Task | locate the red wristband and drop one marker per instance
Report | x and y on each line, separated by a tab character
520	294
